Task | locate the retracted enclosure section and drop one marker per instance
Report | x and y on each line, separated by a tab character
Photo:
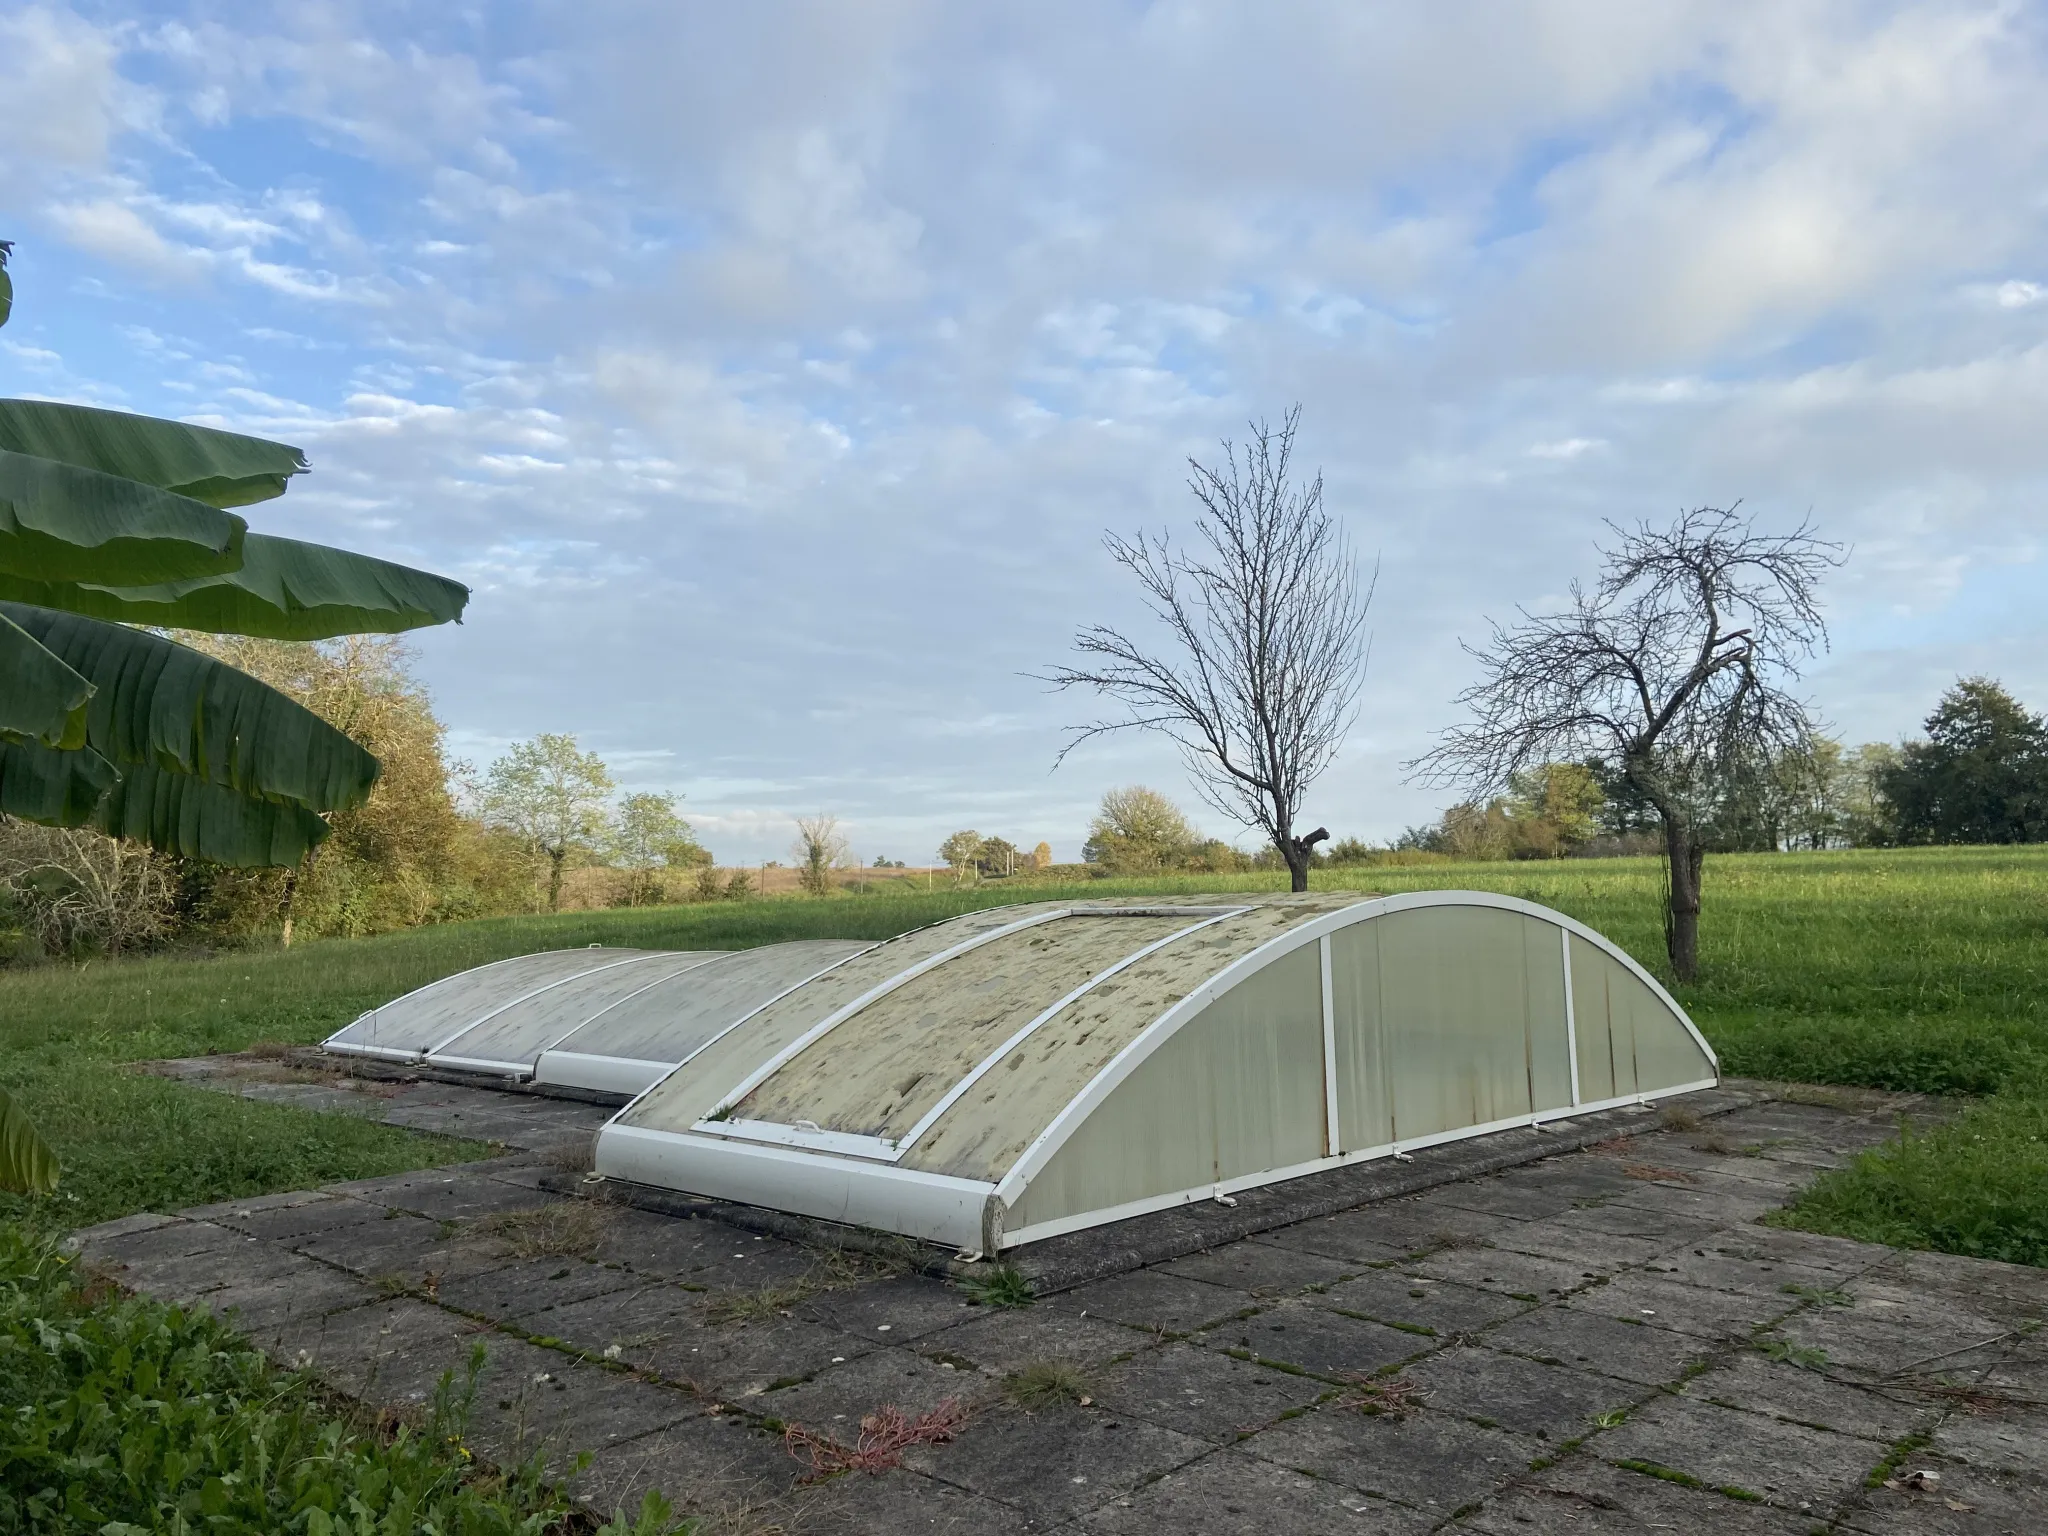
422	1021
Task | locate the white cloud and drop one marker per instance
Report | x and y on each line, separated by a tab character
772	372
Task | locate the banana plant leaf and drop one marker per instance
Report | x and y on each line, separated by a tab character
180	814
41	699
222	469
62	523
27	1165
163	704
56	789
6	291
285	590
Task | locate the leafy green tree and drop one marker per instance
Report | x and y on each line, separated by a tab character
1137	830
109	520
1981	776
820	848
960	852
648	835
999	856
554	797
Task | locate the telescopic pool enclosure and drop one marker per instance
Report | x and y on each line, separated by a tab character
1028	1071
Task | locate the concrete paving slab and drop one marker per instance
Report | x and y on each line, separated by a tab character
1433	1462
1058	1463
458	1193
1354	1237
891	1503
532	1401
1864	1342
1203	1393
1791	1466
1589	1251
395	1242
1508	1272
1229	1493
1747	1380
900	1307
1007	1339
1318	1340
709	1465
2011	1439
388	1352
1417	1226
666	1333
1582	1496
1159	1302
1608	1346
1701	1311
1262	1268
1636	1221
834	1401
527	1292
1549	1402
1400	1299
1970	1501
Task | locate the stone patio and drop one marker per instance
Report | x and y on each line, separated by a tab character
1595	1340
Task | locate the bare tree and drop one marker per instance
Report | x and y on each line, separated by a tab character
1671	667
1267	624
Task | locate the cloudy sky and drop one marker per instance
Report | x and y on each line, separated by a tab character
772	371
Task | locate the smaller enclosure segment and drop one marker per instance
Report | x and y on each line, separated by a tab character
1010	1076
611	1020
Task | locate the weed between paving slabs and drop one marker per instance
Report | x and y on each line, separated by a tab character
1605	1333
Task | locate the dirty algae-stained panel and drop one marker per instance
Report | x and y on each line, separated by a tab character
521	1032
1550	1050
1237	1091
985	1132
422	1019
1455	1007
878	1072
672	1018
686	1095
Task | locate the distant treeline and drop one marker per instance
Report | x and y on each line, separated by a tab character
544	826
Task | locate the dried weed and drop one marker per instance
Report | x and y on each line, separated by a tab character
885	1435
561	1230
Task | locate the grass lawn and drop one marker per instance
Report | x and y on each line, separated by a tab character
1917	969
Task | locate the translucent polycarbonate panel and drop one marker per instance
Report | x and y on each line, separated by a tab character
1365	1115
1629	1041
1236	1091
517	1034
421	1020
1550	1052
670	1019
1454	1006
684	1096
879	1071
988	1128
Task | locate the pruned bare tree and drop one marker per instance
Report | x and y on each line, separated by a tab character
1672	667
1267	627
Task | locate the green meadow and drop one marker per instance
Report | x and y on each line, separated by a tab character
1920	969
